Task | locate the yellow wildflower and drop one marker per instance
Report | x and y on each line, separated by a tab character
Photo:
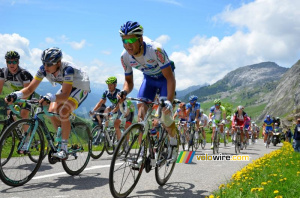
278	196
260	189
264	183
211	196
276	191
221	186
241	189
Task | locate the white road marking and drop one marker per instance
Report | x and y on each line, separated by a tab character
64	173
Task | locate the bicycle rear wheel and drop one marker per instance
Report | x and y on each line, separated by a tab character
237	144
125	172
98	142
79	149
165	167
19	169
216	144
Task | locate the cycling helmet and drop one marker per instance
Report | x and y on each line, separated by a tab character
253	123
51	55
228	118
131	28
111	80
217	101
201	111
268	116
12	55
277	118
240	107
193	98
181	105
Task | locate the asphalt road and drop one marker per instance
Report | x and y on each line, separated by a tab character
196	179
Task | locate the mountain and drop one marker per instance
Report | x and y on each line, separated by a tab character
249	86
182	93
286	97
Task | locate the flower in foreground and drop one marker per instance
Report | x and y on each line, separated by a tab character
276	191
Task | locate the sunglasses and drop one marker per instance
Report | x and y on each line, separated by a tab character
217	104
49	64
130	40
12	62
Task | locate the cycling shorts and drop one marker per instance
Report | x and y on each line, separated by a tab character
150	86
268	128
77	95
129	117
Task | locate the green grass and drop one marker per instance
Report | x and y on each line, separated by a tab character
276	174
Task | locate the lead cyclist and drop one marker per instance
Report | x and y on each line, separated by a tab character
150	58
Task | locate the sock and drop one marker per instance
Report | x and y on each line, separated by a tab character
173	141
64	145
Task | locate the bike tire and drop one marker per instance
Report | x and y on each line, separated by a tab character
163	150
196	142
128	159
98	142
19	161
80	146
36	145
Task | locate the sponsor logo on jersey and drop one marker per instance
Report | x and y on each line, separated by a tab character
68	78
123	64
160	56
133	63
150	61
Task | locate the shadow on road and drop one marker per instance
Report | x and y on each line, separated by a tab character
175	189
63	184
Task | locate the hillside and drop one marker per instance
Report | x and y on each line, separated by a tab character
286	97
250	86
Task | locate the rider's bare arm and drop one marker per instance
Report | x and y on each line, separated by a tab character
171	82
65	93
99	104
128	84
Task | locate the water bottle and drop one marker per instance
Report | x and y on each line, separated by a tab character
167	119
58	135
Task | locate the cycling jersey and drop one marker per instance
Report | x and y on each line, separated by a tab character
193	110
17	80
269	126
217	113
112	97
239	119
203	118
182	115
247	122
151	63
67	73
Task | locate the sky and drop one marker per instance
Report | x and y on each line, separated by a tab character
206	39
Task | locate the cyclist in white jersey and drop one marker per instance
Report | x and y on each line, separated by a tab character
150	58
203	123
75	88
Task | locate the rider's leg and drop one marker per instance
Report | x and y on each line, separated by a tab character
117	127
142	109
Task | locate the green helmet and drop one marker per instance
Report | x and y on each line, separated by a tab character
217	101
111	80
12	55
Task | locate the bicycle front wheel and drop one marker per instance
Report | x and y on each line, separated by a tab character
126	169
98	142
79	149
196	139
165	166
19	169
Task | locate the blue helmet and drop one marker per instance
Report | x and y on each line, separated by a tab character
193	98
51	55
131	28
268	116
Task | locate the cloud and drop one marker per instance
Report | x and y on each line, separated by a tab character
266	30
76	45
49	40
106	52
163	39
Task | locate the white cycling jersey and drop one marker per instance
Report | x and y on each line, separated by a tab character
68	73
151	63
204	118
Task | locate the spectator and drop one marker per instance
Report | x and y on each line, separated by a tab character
297	136
289	135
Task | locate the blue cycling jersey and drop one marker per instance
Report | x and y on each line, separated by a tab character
193	109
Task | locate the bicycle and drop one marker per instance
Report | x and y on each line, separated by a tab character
216	140
125	171
237	140
268	138
34	129
7	122
245	140
201	138
194	138
183	133
104	138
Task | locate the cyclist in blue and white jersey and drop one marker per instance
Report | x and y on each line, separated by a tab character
204	123
193	111
217	113
111	95
268	124
74	90
150	58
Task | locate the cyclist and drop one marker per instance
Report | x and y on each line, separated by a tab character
254	130
193	110
268	125
16	77
228	124
150	58
247	128
239	119
127	109
97	119
74	90
181	113
111	94
217	113
203	123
